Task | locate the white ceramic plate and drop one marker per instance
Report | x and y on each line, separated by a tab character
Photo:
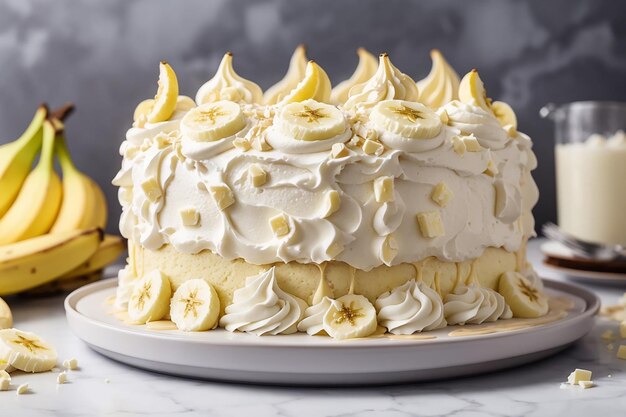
305	360
558	250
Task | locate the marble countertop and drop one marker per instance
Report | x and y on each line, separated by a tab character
102	387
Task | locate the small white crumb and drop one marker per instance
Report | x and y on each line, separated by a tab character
62	378
609	376
22	389
585	384
107	380
5	375
5	384
563	385
55	369
70	363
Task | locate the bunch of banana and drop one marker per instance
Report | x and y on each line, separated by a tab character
50	228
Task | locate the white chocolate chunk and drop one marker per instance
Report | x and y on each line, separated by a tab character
471	143
510	130
443	116
621	353
339	150
383	189
430	223
441	194
22	389
389	250
242	144
579	375
5	384
151	189
585	384
62	378
222	195
279	225
372	148
189	216
257	175
608	334
622	329
492	169
332	202
70	363
458	145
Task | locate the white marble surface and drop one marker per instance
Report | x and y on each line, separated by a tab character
102	387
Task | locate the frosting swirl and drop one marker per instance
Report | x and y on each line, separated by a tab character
261	307
364	71
472	119
410	308
463	304
295	73
228	85
441	85
313	321
388	83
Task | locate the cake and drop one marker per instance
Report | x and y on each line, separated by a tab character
382	203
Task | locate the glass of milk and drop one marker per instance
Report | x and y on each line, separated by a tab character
591	169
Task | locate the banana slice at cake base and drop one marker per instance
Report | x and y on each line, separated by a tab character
195	306
150	298
349	317
213	121
407	119
525	300
26	351
6	317
310	120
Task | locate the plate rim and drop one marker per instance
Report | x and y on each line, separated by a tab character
591	300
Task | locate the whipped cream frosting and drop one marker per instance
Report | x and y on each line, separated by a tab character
410	308
387	83
298	184
313	321
472	304
262	308
441	85
228	85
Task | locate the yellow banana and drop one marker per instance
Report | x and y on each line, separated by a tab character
16	159
83	203
37	204
30	263
109	250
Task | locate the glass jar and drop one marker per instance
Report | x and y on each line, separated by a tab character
590	152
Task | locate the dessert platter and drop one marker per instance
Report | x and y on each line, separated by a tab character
377	229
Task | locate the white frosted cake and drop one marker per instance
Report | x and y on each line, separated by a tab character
380	205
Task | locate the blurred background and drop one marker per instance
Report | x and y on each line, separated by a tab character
103	56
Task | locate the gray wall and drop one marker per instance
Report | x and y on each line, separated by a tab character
103	56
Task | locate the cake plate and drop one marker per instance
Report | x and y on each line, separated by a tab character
300	359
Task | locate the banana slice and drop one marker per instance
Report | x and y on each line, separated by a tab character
504	113
310	120
6	318
472	91
349	317
26	351
149	300
195	306
407	119
525	300
213	121
315	85
165	99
